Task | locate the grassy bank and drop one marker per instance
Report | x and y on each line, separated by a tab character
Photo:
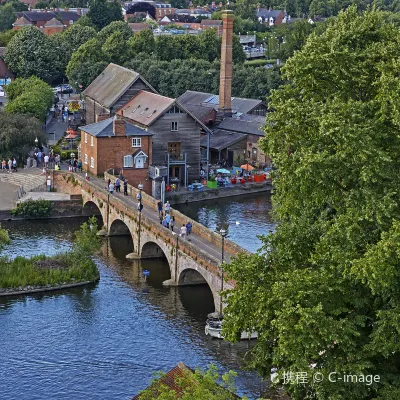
65	268
43	271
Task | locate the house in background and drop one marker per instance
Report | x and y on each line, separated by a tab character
111	90
115	143
271	17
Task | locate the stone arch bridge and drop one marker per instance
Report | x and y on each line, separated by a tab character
193	262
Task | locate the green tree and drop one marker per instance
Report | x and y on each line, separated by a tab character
76	35
209	45
101	12
86	63
86	21
6	36
197	385
7	17
18	5
29	96
29	53
246	9
115	26
18	133
323	290
143	42
116	49
320	8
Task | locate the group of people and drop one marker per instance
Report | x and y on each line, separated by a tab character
117	185
10	166
168	221
74	165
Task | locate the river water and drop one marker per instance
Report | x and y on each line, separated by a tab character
105	341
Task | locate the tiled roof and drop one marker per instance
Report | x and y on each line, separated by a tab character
105	128
53	23
266	13
111	84
138	26
251	124
204	114
170	380
220	139
145	107
239	105
22	21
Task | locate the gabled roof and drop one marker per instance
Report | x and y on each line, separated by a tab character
267	13
239	105
251	124
220	139
22	21
106	128
139	153
138	26
145	107
53	23
111	84
35	16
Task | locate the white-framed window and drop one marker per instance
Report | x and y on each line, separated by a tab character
159	13
174	126
128	161
92	141
136	142
91	162
85	137
86	159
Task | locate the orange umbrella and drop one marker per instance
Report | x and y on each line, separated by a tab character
247	167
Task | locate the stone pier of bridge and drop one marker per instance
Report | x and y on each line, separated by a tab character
193	262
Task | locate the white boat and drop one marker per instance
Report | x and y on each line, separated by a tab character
214	328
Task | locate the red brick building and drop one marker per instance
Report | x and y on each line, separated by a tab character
115	143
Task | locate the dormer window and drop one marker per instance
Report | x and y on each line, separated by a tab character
144	110
152	113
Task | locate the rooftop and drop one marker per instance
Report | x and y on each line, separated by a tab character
221	139
105	128
246	123
145	107
111	84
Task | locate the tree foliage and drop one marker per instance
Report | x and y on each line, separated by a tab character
324	288
29	53
18	133
29	96
197	385
115	26
7	17
76	35
101	12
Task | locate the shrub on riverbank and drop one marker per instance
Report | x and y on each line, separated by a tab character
32	208
65	268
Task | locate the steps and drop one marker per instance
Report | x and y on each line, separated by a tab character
31	181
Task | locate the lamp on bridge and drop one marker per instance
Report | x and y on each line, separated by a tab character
36	141
223	233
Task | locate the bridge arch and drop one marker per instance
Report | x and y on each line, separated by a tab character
118	228
90	208
152	250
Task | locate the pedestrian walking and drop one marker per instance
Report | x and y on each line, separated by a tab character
140	206
111	188
161	217
108	183
14	164
118	185
172	223
183	231
126	187
160	207
75	164
80	165
164	223
168	219
167	207
4	165
188	229
9	165
46	161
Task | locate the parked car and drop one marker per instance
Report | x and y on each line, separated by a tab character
63	89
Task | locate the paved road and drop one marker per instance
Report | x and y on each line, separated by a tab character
210	248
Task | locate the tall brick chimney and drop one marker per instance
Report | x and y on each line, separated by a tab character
225	78
118	126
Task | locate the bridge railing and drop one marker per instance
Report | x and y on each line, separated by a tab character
180	219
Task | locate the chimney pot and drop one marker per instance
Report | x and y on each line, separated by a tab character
118	126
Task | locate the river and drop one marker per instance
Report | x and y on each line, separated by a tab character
105	341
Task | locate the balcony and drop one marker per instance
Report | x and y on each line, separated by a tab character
175	159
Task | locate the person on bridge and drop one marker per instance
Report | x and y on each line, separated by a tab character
183	231
118	185
111	188
189	228
160	207
168	219
167	207
172	223
126	187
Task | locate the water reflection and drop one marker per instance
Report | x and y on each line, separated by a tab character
104	341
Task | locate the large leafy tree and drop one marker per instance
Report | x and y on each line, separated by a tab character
115	26
143	42
7	17
76	35
18	133
30	52
101	12
324	290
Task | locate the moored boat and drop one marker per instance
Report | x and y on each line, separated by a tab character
214	328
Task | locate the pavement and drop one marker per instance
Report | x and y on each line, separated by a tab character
7	196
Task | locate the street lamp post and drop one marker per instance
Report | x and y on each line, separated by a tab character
139	197
222	232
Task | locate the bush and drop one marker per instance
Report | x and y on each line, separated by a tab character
255	63
33	208
66	154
